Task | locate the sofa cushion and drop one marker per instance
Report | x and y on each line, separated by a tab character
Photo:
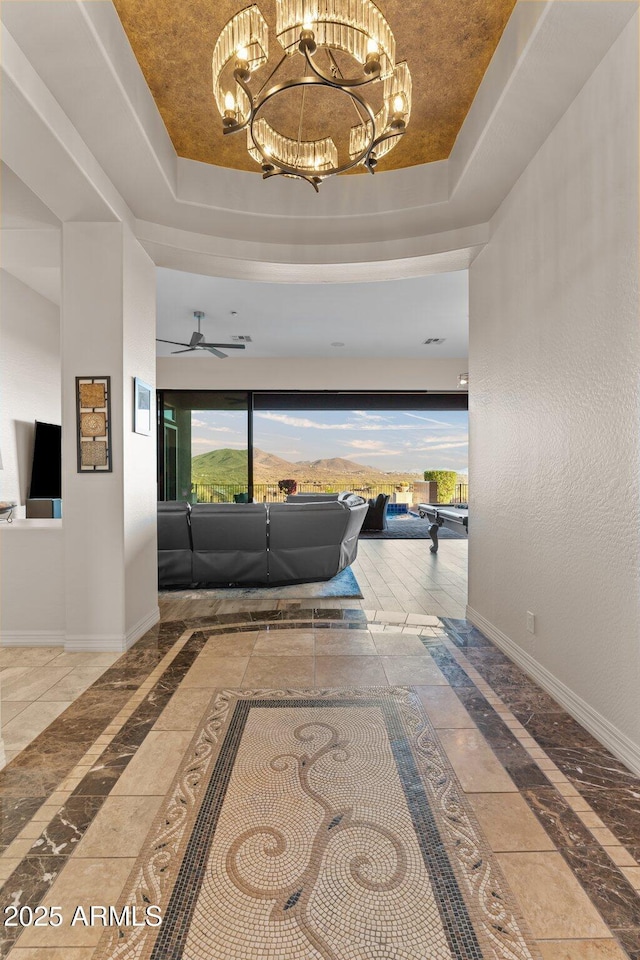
229	542
174	543
305	540
173	526
257	543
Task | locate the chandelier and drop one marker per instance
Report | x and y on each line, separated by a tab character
328	48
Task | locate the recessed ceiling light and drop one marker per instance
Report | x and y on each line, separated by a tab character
337	343
234	313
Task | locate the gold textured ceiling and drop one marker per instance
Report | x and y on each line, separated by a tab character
447	43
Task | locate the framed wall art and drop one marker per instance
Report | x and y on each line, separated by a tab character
93	405
141	407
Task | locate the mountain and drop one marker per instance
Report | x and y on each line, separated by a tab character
336	465
269	463
230	466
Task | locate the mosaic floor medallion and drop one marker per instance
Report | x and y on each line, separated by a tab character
318	824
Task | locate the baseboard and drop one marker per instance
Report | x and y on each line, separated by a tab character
602	729
31	638
112	643
140	628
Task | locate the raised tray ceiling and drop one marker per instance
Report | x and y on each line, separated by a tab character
447	43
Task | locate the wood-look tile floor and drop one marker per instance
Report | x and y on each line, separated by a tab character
398	576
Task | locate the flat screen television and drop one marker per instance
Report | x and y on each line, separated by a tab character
46	473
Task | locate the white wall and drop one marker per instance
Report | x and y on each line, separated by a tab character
305	373
29	380
108	328
31	577
91	311
554	411
140	487
89	581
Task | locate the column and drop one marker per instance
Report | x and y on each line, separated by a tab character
109	518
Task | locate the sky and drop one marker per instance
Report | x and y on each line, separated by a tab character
390	441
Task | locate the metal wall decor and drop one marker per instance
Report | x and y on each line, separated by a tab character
329	36
93	405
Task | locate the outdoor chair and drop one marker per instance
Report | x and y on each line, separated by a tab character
376	518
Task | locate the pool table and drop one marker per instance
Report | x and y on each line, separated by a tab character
451	515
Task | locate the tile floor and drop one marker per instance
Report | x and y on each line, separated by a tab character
559	815
394	575
37	684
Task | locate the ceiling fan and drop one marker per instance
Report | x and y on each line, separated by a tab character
198	342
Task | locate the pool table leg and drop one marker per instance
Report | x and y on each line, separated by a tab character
433	533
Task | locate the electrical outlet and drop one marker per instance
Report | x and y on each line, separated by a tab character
531	622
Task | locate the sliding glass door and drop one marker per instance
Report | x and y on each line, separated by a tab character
204	446
224	447
382	445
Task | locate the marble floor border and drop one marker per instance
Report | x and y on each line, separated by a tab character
593	853
30	779
595	856
82	793
583	760
32	863
26	783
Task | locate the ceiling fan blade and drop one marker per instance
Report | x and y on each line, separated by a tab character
188	350
174	342
226	346
216	353
196	338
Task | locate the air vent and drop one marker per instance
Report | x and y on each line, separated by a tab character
241	339
435	340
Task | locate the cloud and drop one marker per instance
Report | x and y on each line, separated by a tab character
436	423
442	446
282	436
300	421
363	444
452	438
363	415
305	423
211	444
202	425
384	453
453	462
373	448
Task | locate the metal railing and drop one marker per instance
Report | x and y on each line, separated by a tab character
462	493
225	492
268	492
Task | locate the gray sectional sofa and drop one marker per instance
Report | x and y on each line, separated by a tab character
257	543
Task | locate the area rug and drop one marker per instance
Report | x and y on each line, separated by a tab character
344	584
317	824
409	526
